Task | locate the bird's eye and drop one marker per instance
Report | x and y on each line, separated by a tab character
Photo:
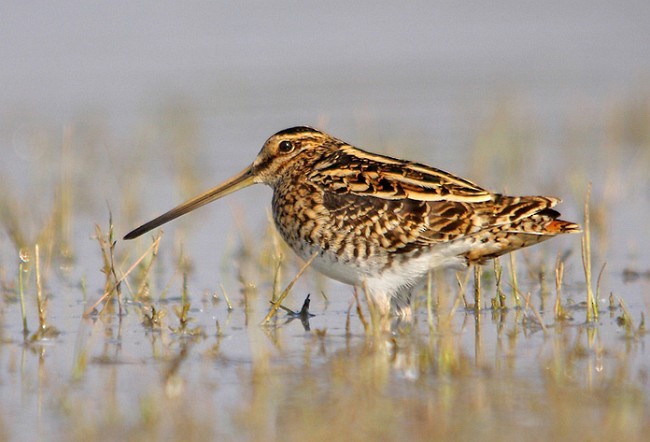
285	146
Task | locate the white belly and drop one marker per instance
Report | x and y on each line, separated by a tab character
403	272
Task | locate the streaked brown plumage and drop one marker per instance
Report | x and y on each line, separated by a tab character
380	222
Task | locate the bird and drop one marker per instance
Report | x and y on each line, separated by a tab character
380	223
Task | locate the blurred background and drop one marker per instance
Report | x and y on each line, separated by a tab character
295	60
138	105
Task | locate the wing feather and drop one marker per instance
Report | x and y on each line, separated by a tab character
351	170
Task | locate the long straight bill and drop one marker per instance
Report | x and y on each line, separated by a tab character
241	180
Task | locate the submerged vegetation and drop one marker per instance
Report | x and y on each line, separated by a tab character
541	345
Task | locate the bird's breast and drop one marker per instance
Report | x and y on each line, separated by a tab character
348	247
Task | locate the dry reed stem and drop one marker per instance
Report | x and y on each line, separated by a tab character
558	310
477	288
598	280
108	292
225	296
347	320
498	275
592	302
147	270
514	283
277	277
360	310
627	319
39	289
460	295
276	305
530	305
24	259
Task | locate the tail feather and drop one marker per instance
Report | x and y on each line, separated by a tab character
523	231
545	222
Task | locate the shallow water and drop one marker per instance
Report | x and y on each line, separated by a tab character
104	113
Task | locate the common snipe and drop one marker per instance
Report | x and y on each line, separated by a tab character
378	222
